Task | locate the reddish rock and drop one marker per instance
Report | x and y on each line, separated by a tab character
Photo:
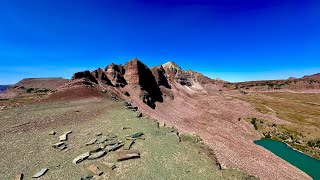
115	74
100	75
84	74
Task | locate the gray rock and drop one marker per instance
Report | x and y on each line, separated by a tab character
81	157
128	143
86	177
40	173
56	145
102	139
136	135
91	142
52	133
113	147
97	149
97	155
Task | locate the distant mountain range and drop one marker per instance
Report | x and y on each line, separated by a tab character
4	87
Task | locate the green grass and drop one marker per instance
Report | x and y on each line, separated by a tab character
163	156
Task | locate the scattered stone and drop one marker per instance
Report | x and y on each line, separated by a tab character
113	147
86	177
40	173
136	135
97	155
95	170
138	114
18	176
66	149
52	133
123	128
128	143
63	137
91	142
60	145
99	134
161	124
56	145
126	155
80	158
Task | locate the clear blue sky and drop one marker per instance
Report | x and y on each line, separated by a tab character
235	40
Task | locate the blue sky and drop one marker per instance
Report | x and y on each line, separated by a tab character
235	40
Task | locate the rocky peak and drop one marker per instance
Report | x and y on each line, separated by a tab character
171	66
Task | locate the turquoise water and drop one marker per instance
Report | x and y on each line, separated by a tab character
306	163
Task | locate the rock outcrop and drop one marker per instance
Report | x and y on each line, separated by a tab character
151	85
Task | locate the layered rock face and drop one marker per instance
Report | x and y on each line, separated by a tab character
151	84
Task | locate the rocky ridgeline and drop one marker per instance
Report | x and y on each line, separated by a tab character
151	84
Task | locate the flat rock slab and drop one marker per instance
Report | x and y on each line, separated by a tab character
112	142
102	139
18	176
126	155
97	155
81	157
91	142
114	147
128	143
40	173
136	135
63	137
95	170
